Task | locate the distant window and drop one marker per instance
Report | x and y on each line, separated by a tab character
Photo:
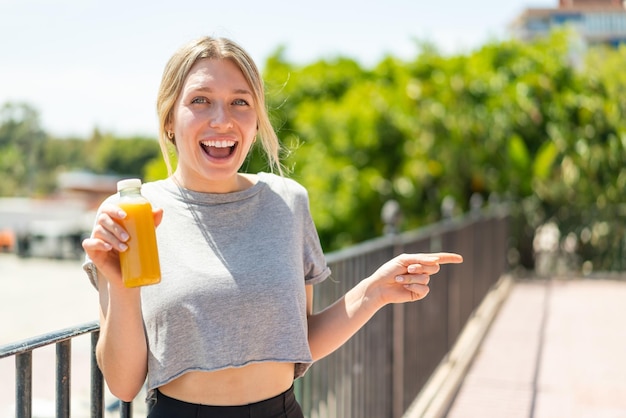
562	18
538	24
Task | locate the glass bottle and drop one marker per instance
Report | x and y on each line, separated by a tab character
140	262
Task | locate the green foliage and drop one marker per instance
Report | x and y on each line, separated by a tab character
514	120
339	122
31	160
155	169
22	143
128	156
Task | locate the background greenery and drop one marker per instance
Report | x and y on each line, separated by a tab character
541	126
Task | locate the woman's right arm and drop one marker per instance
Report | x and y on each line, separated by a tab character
122	351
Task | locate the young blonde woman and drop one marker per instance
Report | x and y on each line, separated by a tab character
231	324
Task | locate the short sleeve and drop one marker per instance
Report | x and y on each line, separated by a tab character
316	269
92	272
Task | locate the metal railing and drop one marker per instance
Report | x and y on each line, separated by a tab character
23	352
380	370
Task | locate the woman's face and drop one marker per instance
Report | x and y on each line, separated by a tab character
214	123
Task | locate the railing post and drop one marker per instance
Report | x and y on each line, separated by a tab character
397	401
391	215
126	410
64	358
97	382
23	352
24	384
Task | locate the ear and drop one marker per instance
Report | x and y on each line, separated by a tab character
169	122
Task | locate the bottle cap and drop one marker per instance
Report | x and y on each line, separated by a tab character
128	184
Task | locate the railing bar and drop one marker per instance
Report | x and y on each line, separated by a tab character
31	344
24	385
377	244
64	359
97	382
126	410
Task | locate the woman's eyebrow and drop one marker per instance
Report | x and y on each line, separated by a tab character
210	90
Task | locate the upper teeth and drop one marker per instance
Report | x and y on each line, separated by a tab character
218	144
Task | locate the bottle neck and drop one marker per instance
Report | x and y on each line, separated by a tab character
131	191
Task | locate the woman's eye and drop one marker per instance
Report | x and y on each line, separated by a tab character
199	100
240	102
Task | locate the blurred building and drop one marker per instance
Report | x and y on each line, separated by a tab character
596	21
90	188
54	226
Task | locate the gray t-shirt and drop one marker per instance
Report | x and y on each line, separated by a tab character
234	268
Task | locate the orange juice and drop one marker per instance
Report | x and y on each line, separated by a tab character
140	262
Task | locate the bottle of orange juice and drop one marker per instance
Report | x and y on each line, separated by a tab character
140	262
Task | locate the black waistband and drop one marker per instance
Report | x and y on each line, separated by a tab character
167	406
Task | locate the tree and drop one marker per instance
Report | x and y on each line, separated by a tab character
21	147
124	156
511	119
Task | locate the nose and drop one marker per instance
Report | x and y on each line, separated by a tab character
220	116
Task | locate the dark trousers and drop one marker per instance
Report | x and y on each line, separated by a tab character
281	406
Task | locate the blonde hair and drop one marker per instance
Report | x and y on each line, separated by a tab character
175	74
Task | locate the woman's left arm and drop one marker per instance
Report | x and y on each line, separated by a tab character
405	278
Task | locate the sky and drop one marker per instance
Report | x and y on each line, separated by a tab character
85	64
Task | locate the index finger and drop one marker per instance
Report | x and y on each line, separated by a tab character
429	259
113	211
448	258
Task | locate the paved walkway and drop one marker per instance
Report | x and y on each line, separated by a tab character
555	349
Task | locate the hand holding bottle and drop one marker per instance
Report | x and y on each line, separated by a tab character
140	262
112	243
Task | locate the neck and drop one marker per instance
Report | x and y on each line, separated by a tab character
240	182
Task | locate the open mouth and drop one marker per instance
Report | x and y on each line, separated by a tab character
219	149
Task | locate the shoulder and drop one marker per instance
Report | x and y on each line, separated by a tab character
155	186
287	190
160	191
283	185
